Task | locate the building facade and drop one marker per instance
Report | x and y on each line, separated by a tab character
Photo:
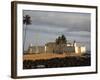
52	47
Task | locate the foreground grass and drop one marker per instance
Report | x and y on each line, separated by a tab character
45	56
54	60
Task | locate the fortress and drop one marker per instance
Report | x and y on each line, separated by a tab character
52	47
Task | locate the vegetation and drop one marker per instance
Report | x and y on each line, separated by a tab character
26	21
57	62
61	40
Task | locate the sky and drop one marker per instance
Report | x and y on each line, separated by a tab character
46	26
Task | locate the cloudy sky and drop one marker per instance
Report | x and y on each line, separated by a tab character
47	26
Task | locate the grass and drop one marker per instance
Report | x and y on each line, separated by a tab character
35	61
45	56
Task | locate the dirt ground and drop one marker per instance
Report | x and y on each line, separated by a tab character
44	56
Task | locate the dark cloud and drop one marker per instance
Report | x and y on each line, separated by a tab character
73	21
48	25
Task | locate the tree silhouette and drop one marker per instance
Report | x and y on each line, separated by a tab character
26	21
58	40
61	40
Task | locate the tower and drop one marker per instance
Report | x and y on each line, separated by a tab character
45	48
74	43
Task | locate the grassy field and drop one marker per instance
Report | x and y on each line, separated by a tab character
45	56
44	60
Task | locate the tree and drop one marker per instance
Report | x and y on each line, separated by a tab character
61	40
58	40
26	21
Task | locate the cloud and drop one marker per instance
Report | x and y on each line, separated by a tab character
49	25
73	21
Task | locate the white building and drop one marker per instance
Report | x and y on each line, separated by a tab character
79	48
52	47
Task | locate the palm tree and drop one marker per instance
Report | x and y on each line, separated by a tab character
26	21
